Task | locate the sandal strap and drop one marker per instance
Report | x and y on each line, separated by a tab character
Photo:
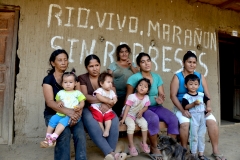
202	157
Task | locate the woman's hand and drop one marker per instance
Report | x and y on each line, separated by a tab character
111	102
121	122
72	122
60	104
208	111
75	116
186	113
160	99
129	62
104	108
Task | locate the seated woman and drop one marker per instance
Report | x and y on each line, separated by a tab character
121	70
51	85
156	112
177	90
88	84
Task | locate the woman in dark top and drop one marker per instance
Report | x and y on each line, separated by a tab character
51	85
88	84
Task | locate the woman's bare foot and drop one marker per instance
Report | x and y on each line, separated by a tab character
155	153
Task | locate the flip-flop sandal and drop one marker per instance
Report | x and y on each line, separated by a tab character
202	157
155	156
218	156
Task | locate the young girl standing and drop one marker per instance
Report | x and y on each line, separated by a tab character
104	94
69	98
136	105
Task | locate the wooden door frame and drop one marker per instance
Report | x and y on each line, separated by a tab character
226	37
11	94
219	79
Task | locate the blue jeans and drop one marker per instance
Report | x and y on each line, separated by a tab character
107	145
62	148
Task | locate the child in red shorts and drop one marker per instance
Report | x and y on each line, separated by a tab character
104	94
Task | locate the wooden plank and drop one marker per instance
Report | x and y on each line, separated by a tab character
6	79
192	1
227	3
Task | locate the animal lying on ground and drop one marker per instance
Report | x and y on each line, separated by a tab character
172	150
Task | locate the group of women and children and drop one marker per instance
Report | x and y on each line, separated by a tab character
125	93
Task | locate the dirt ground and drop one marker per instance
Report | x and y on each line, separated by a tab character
229	146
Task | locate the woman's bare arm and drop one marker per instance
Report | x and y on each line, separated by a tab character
78	86
161	95
130	90
90	98
205	87
109	71
134	69
105	100
174	86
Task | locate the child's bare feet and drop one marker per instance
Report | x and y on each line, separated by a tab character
105	133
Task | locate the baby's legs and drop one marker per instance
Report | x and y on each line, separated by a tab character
53	122
101	126
60	127
130	130
107	118
142	123
108	124
49	131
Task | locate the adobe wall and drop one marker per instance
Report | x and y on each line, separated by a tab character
175	26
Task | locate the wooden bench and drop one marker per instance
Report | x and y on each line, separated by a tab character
123	127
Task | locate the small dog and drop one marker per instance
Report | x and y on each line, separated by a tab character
171	150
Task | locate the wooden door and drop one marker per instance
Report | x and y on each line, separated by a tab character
7	63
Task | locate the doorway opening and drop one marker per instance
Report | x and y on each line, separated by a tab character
229	63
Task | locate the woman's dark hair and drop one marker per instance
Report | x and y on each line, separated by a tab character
72	73
119	49
53	57
139	57
146	80
192	77
102	77
188	55
89	58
